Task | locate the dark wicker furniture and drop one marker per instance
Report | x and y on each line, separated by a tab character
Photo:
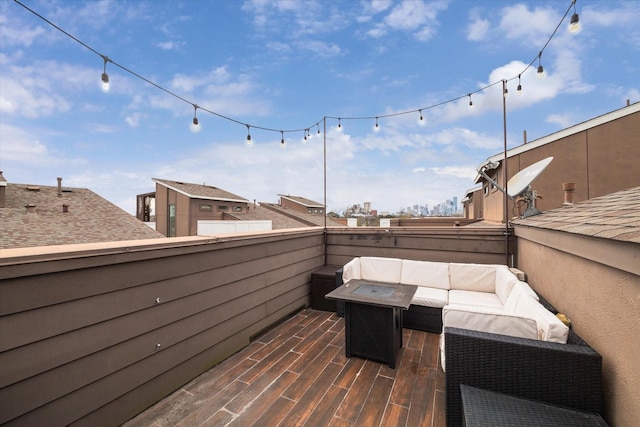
568	375
489	408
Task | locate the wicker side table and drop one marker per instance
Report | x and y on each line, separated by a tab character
488	408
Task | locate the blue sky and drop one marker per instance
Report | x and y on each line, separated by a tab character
286	65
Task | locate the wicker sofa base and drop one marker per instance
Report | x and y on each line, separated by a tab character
423	318
568	375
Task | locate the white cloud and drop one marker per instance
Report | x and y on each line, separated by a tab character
415	16
170	45
532	27
563	120
478	28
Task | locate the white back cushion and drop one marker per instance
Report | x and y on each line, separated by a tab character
351	270
505	280
519	290
472	277
425	273
380	269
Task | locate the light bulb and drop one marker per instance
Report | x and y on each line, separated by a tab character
376	127
105	82
506	92
249	142
574	24
540	72
282	143
470	102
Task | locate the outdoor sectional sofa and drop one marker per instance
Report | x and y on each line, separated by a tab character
498	333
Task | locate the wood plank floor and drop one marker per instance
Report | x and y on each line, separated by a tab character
297	374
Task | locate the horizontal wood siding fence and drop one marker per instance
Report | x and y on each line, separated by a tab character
482	245
94	334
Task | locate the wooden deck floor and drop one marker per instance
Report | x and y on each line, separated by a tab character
297	374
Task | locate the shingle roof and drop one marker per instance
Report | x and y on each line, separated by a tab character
278	221
304	218
89	219
303	201
614	216
197	191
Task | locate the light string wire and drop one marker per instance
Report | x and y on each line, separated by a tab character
305	129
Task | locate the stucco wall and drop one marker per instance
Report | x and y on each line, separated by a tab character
603	303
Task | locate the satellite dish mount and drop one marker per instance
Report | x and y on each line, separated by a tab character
520	184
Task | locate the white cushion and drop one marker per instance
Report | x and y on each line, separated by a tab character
472	298
351	270
519	290
430	297
487	319
505	280
380	269
425	273
550	328
472	277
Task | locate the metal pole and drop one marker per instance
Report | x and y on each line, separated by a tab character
324	139
504	172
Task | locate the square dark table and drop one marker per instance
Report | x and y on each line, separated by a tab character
489	408
373	318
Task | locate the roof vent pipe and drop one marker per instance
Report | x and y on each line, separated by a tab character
31	209
568	188
59	187
524	136
65	208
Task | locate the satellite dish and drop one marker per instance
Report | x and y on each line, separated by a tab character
520	182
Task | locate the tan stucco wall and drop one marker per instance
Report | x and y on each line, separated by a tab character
603	304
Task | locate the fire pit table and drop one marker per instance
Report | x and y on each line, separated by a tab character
373	318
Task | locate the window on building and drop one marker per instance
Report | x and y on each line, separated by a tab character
237	208
171	226
206	207
223	208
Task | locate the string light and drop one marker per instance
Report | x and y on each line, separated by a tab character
540	68
574	25
249	142
105	76
376	128
506	91
195	118
282	143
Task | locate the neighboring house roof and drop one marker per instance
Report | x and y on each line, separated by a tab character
614	216
259	213
302	201
197	191
591	123
89	219
303	218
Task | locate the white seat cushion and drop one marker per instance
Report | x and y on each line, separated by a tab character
380	269
472	298
430	297
472	277
425	273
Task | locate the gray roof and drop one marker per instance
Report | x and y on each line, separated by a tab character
303	201
304	218
198	191
278	221
614	216
90	218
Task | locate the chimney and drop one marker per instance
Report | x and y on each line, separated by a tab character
31	208
3	190
59	187
568	188
524	136
65	208
628	102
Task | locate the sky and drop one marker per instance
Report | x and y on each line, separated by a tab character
265	66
